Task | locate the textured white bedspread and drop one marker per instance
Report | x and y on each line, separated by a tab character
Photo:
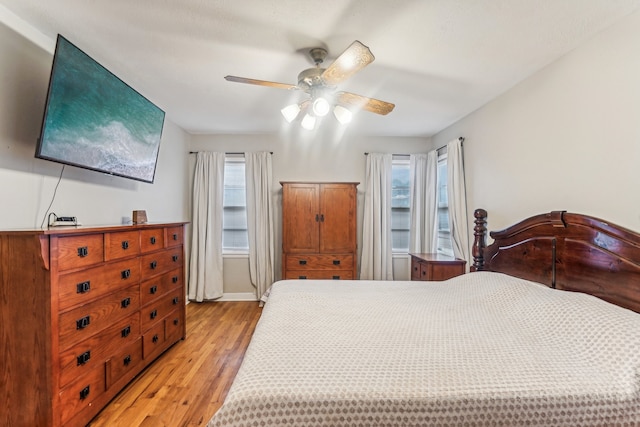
482	349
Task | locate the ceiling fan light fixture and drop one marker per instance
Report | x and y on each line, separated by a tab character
321	107
342	114
308	122
290	112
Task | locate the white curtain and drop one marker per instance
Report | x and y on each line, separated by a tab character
457	199
260	222
376	262
205	267
423	201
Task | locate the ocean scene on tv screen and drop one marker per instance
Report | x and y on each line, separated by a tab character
95	120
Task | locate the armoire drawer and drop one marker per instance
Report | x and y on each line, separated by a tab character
319	262
319	274
79	324
87	285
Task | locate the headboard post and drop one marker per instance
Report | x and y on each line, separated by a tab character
479	240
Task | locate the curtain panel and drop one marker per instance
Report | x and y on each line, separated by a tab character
376	261
457	198
423	202
205	266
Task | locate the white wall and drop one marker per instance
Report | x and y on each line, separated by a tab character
299	155
28	184
567	138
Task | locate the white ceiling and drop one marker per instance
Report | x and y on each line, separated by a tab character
437	60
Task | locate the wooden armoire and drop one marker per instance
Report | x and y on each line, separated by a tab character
319	230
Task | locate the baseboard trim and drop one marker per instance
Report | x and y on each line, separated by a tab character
238	296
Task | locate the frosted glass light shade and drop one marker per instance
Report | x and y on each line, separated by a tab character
308	122
343	115
290	112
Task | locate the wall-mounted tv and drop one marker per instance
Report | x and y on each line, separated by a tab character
94	120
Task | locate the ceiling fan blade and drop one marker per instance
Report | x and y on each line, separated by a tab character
260	82
348	99
353	59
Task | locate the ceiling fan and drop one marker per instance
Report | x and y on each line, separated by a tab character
321	85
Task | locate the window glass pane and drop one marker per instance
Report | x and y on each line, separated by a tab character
234	217
400	216
444	233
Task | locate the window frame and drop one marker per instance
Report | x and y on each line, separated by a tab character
404	161
232	251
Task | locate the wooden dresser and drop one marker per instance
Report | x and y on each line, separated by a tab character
435	267
84	310
319	230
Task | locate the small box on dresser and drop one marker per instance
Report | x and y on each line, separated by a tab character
78	320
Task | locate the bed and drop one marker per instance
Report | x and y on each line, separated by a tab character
504	345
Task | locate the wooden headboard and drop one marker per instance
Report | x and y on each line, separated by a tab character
565	251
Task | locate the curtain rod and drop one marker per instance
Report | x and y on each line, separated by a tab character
461	139
234	153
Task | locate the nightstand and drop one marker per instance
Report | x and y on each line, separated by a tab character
435	267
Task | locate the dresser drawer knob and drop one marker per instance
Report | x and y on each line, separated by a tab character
175	236
127	360
336	277
84	393
302	277
125	332
174	279
153	240
126	273
125	244
153	265
176	300
153	314
125	302
83	251
83	322
153	289
176	321
84	287
174	258
155	338
303	262
336	262
84	358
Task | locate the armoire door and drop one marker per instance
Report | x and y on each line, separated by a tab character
337	218
300	218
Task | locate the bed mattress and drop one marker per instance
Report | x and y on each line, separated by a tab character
482	349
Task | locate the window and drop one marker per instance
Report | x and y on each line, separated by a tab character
400	216
234	218
444	232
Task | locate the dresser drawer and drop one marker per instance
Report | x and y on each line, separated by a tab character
81	358
319	262
124	362
158	286
80	251
85	286
160	308
151	239
153	341
174	327
160	262
79	324
319	274
81	393
121	244
175	236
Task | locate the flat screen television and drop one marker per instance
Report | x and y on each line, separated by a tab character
94	120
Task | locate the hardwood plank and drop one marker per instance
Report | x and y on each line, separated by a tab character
189	382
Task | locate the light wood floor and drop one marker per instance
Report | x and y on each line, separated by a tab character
189	382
